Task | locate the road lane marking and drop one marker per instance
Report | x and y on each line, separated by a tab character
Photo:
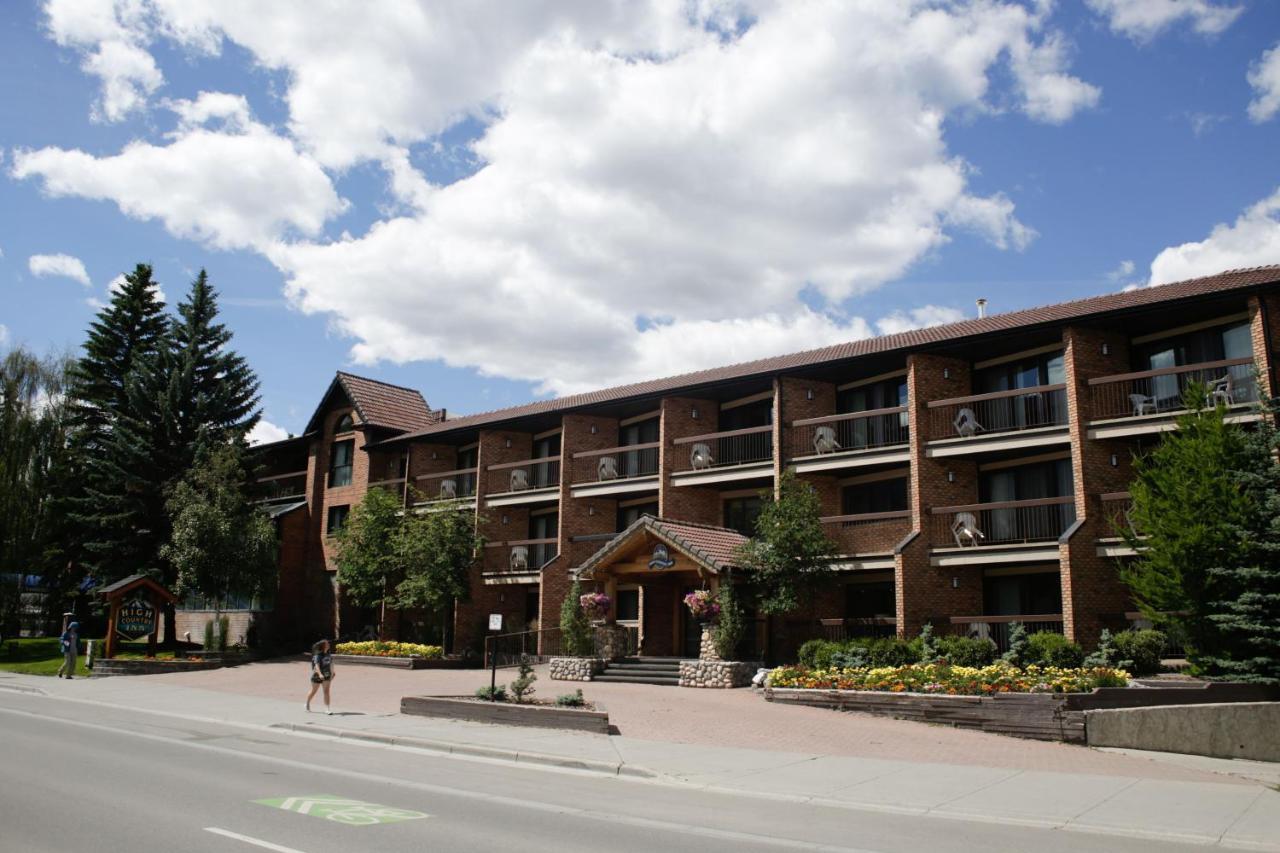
248	839
342	809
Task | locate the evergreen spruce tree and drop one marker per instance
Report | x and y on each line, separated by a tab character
1246	607
116	527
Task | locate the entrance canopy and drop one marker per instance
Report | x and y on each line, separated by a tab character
655	545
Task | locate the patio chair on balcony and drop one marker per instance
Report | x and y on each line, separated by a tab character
1142	404
448	489
980	630
965	527
966	424
700	457
607	468
1220	391
824	440
519	479
519	558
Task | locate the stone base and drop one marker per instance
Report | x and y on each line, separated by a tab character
717	673
575	669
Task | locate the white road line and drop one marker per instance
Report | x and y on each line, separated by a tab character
256	842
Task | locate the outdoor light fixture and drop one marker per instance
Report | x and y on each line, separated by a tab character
951	476
594	430
955	583
591	510
808	393
433	455
946	373
1106	349
693	413
508	442
1115	461
504	519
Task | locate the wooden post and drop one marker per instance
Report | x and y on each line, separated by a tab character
110	651
155	627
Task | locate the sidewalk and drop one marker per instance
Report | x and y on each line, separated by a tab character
1156	800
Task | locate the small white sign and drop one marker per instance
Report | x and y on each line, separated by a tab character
495	621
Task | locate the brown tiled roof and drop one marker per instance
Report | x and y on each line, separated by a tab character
1096	305
383	405
714	548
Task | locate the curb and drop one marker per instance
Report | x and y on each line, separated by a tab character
608	768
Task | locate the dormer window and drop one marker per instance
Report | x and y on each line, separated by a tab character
345	424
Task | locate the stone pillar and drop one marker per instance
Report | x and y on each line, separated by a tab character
707	645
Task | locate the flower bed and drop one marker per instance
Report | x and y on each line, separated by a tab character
388	649
940	678
543	715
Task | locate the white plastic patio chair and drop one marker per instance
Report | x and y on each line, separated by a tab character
700	457
824	440
980	630
1221	391
607	468
519	558
519	479
1141	404
966	423
965	527
448	489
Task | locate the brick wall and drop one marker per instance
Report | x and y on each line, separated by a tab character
795	405
422	465
685	502
291	619
1091	587
1264	324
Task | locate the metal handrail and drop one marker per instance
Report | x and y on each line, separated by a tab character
866	516
1004	620
849	416
502	466
996	395
1170	371
648	445
690	439
456	473
1033	502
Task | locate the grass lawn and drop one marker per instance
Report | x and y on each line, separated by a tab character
41	656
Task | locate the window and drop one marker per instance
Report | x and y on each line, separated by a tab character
627	607
1024	483
1023	410
545	447
740	514
344	424
759	413
876	431
337	519
638	463
629	515
869	600
880	496
1044	369
468	460
340	463
1223	342
1016	595
544	526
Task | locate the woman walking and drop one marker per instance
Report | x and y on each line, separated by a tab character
321	673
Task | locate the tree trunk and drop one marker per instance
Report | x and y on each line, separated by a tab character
170	627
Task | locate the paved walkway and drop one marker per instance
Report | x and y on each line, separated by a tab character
999	779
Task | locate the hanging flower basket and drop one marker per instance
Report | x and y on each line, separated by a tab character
702	606
595	605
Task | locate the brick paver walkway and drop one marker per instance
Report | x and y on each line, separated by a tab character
732	718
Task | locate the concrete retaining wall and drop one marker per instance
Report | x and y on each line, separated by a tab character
1235	730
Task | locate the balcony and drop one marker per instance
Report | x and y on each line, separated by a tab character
278	488
524	560
850	440
529	481
869	533
996	628
1005	531
446	486
1149	401
719	457
1001	420
615	470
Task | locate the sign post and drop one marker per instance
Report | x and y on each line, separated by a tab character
495	626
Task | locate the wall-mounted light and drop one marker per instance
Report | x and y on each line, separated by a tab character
434	455
693	413
808	393
955	583
946	373
504	519
1115	461
591	510
951	476
1106	349
508	442
594	429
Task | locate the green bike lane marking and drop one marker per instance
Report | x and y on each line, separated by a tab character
342	809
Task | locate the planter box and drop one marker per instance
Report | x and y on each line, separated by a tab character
507	714
103	667
397	662
1040	716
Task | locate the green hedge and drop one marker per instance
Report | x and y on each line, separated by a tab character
1047	648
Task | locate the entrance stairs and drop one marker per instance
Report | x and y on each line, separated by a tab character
642	670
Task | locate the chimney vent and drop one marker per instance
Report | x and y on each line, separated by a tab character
982	307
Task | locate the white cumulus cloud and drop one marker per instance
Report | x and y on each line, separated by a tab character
64	266
1264	77
265	432
111	37
1252	240
655	185
1143	20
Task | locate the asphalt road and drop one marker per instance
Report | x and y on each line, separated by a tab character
80	777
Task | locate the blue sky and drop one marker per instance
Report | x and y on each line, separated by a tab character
500	204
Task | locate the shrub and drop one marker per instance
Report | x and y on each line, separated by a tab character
389	649
943	678
224	631
967	651
1017	644
928	644
571	700
817	654
1047	648
730	628
1143	648
493	694
522	687
1106	653
210	636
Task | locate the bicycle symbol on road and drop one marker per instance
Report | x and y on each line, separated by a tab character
343	810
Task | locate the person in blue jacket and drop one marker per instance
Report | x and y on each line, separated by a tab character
70	642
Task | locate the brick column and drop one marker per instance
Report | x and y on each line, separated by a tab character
1264	328
425	460
925	593
1091	587
685	503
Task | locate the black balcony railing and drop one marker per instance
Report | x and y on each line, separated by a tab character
723	449
446	485
615	463
524	476
1005	522
1228	382
998	412
853	431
